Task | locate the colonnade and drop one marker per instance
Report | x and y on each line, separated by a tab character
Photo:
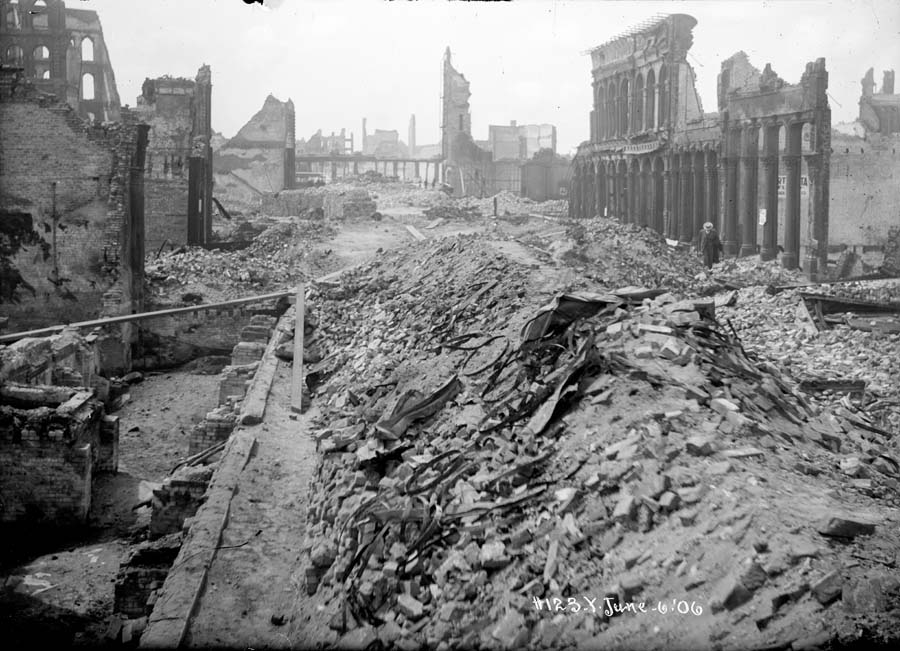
676	191
673	193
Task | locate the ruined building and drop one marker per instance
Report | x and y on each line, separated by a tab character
60	51
178	177
865	166
261	157
71	210
483	168
879	112
655	158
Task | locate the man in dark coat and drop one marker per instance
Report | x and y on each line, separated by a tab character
710	246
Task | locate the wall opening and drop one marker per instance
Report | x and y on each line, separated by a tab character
39	17
12	19
87	86
87	49
14	55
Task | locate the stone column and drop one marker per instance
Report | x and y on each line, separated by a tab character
816	259
730	183
646	189
667	199
699	217
710	173
658	201
686	223
748	189
791	257
598	190
675	184
770	192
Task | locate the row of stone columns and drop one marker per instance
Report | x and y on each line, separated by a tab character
672	194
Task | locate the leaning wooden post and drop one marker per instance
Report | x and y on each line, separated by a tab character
297	380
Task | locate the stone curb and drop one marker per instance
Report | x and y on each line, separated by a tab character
168	624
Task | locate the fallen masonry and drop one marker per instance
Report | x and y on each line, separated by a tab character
476	450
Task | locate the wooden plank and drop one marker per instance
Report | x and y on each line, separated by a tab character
415	233
297	377
124	318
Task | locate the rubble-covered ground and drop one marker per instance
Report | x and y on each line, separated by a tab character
521	448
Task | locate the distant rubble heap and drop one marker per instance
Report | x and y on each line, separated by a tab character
485	460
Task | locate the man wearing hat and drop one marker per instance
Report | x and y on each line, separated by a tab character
710	246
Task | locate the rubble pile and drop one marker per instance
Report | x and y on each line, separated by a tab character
277	258
450	212
489	465
509	203
404	195
618	254
778	329
743	272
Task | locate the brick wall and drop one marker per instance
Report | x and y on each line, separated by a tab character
54	164
206	328
865	190
177	499
49	454
166	203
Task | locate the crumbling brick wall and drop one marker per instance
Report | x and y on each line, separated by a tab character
177	111
49	453
71	208
864	189
142	575
891	262
177	499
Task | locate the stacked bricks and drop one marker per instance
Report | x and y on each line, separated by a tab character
47	455
177	499
892	251
234	381
247	352
142	575
108	447
354	204
215	428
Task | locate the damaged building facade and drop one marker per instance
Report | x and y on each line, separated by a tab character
61	51
481	168
71	210
865	166
179	172
654	158
261	157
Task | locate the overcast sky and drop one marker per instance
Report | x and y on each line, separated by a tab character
341	60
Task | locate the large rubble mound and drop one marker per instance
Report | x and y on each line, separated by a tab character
278	257
613	469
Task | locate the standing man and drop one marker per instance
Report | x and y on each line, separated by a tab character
710	245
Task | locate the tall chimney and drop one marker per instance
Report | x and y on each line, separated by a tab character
411	139
364	136
887	84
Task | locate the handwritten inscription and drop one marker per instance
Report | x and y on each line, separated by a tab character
610	607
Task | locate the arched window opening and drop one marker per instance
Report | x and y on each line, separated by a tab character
611	121
638	103
663	96
39	18
87	86
14	55
87	49
41	53
650	113
601	110
623	107
12	16
45	74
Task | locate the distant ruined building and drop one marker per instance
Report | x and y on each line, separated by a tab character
60	51
654	158
484	168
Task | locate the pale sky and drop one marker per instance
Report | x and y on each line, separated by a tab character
341	60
